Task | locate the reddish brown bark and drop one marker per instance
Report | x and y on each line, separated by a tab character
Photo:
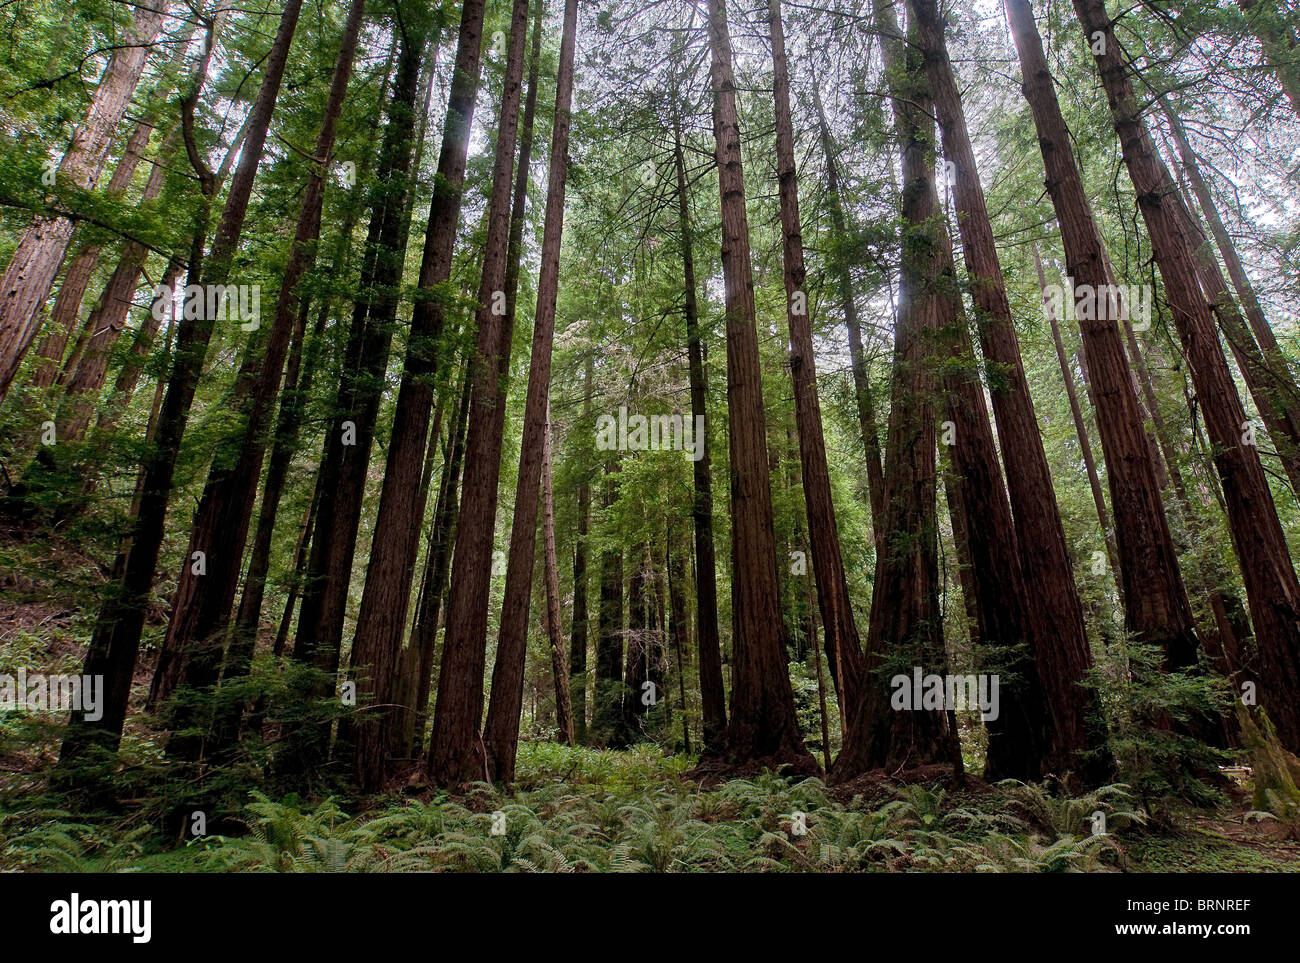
456	755
840	632
382	617
501	731
1055	612
1155	602
762	724
116	639
35	263
581	616
1080	426
905	628
713	704
345	466
1271	586
863	394
606	718
559	665
202	608
1259	358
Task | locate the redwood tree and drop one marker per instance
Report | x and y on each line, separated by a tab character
763	723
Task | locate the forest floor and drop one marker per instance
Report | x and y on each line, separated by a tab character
574	809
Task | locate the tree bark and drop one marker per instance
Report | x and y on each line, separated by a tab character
456	755
840	632
501	731
581	615
345	467
1055	613
763	725
559	666
1080	426
1156	608
202	608
713	704
862	392
115	642
606	718
34	264
1271	586
905	628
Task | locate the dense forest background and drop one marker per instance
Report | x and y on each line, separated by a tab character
511	435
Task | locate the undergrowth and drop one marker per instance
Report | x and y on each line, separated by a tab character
583	810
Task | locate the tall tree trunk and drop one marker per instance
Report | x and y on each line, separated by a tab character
606	718
501	731
1005	632
559	665
1156	608
713	704
300	373
636	667
1262	364
1080	426
1055	612
88	364
1271	586
76	278
862	392
395	545
350	437
128	376
581	616
454	754
763	723
841	634
446	517
35	263
115	642
202	608
679	622
905	628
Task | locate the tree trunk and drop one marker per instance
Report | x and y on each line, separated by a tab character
345	466
1271	586
862	392
76	279
1156	608
1262	364
905	628
1055	612
501	731
679	623
713	703
35	263
455	755
116	639
606	718
581	616
202	609
841	634
559	666
1080	426
763	725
